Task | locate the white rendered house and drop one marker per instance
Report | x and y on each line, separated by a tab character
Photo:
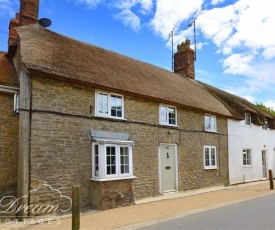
251	150
251	138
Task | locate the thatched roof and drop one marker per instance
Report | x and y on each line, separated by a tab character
48	54
239	106
8	76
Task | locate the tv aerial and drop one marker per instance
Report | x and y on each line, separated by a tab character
172	36
194	24
44	22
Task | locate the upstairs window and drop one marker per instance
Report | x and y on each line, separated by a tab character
210	159
246	157
109	105
265	125
248	119
210	123
168	115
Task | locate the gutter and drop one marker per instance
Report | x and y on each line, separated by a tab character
8	89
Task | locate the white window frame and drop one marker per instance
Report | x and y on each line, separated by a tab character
247	120
247	152
109	95
102	162
166	122
16	103
212	126
210	166
265	125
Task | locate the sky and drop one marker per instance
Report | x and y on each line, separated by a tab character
235	39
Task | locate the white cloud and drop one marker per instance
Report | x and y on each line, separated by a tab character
215	2
89	3
168	13
216	24
129	10
238	64
8	7
146	6
243	92
199	45
129	19
128	15
249	98
246	25
257	85
270	104
269	52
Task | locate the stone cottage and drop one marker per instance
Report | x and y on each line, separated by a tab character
121	128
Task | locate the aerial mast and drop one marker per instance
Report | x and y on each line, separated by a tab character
172	36
195	42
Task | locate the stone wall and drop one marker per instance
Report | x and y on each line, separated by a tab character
8	146
61	146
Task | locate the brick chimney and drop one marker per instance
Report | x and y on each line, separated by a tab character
28	15
28	12
184	62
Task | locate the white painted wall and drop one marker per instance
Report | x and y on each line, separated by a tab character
251	137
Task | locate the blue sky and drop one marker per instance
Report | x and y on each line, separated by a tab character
235	38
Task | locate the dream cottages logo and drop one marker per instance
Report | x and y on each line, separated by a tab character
46	201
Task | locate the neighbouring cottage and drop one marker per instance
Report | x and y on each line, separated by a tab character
120	128
8	127
251	138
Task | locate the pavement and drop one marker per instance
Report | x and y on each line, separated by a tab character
152	210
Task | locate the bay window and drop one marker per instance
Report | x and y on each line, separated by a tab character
111	161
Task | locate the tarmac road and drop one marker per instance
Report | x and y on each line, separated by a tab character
255	214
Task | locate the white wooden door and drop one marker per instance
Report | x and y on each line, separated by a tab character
168	168
264	165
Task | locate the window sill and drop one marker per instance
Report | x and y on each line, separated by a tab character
211	168
110	118
210	131
167	125
247	126
113	179
247	166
